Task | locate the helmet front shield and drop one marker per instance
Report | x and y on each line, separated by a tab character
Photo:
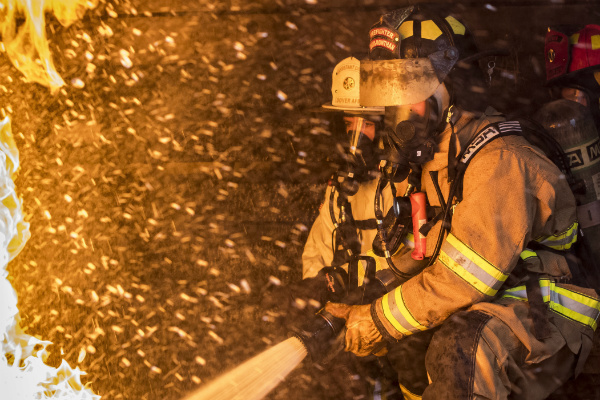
345	88
404	81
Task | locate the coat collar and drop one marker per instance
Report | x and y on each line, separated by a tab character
466	127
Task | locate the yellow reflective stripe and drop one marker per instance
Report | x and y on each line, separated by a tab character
582	299
525	254
562	241
388	315
573	39
595	42
409	241
406	29
429	30
574	315
545	283
408	395
404	311
466	275
476	258
510	296
457	27
565	302
378	264
397	314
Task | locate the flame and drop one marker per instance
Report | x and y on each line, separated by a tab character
26	45
23	373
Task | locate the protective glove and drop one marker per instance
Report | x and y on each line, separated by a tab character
362	336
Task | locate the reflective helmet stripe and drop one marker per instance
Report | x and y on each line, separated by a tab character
429	30
406	29
457	27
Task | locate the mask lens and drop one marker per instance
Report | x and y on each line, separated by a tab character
354	127
575	95
362	155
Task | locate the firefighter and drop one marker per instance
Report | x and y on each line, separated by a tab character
573	73
572	61
344	226
510	316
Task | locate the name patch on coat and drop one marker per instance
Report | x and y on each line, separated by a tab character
487	135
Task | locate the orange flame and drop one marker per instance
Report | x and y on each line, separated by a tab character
26	45
23	374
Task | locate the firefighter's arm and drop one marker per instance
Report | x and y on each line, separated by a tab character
490	228
318	250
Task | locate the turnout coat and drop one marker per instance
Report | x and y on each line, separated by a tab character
513	197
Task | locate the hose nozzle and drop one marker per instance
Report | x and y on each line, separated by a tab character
319	334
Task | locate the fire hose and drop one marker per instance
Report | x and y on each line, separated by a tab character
256	377
319	333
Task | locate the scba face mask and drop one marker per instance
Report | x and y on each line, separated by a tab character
410	134
362	155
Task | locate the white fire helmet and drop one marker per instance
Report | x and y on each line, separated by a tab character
345	89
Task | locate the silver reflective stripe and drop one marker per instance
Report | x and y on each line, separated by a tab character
562	301
518	292
559	242
509	126
545	292
474	269
521	292
398	314
574	305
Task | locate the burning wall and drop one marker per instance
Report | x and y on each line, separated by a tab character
23	371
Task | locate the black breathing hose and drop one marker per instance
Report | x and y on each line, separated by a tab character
336	225
380	229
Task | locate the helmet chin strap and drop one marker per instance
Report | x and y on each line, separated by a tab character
452	157
451	115
445	101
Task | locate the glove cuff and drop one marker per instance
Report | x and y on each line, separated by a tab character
380	326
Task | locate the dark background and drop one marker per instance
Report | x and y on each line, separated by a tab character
197	172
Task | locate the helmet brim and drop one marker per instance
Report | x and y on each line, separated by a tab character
354	110
400	82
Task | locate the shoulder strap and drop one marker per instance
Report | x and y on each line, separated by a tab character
485	136
538	136
482	138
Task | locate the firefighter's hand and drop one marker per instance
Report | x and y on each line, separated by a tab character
362	336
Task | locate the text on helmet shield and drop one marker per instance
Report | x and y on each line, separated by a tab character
385	32
386	44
